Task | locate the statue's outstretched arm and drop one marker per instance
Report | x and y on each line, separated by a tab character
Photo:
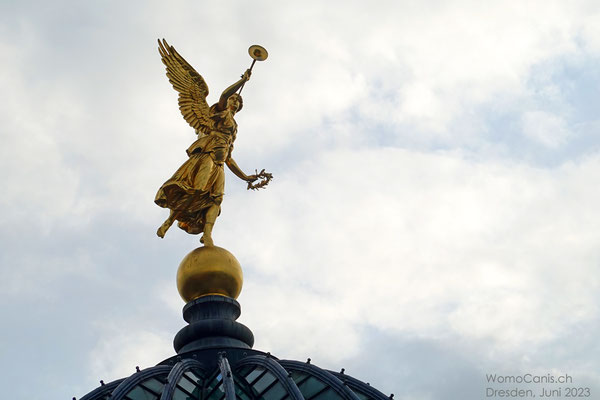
238	171
262	177
232	89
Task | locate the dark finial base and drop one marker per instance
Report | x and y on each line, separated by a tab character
212	324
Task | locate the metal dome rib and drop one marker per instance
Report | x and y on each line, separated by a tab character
176	374
324	376
360	386
227	377
138	378
276	370
102	392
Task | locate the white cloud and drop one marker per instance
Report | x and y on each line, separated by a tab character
281	313
547	129
122	347
427	244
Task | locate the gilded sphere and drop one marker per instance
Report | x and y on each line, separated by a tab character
209	270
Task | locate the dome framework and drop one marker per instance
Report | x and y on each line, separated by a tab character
215	361
251	375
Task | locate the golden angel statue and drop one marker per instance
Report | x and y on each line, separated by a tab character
195	191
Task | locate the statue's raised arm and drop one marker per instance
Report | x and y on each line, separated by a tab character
195	192
230	91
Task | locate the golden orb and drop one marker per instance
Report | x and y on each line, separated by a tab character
209	270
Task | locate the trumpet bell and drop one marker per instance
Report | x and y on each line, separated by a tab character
258	52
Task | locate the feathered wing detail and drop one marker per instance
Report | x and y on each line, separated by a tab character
191	87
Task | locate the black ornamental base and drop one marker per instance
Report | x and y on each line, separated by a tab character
212	324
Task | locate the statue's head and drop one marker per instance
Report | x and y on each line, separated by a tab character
236	102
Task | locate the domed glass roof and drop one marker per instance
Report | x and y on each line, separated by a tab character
235	374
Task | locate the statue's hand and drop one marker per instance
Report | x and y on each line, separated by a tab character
265	178
253	177
246	76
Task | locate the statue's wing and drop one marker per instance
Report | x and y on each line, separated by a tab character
191	87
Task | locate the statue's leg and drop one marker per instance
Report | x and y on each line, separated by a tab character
166	225
212	212
211	216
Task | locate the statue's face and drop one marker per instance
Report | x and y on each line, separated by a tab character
233	103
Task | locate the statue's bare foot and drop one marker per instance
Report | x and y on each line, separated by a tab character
206	240
163	229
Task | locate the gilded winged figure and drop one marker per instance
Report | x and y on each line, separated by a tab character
195	191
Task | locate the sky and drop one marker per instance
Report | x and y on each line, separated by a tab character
433	217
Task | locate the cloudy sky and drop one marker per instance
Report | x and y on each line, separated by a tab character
433	217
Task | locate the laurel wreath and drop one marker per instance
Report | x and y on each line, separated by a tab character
263	179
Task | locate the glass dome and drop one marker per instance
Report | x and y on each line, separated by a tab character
215	361
251	375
